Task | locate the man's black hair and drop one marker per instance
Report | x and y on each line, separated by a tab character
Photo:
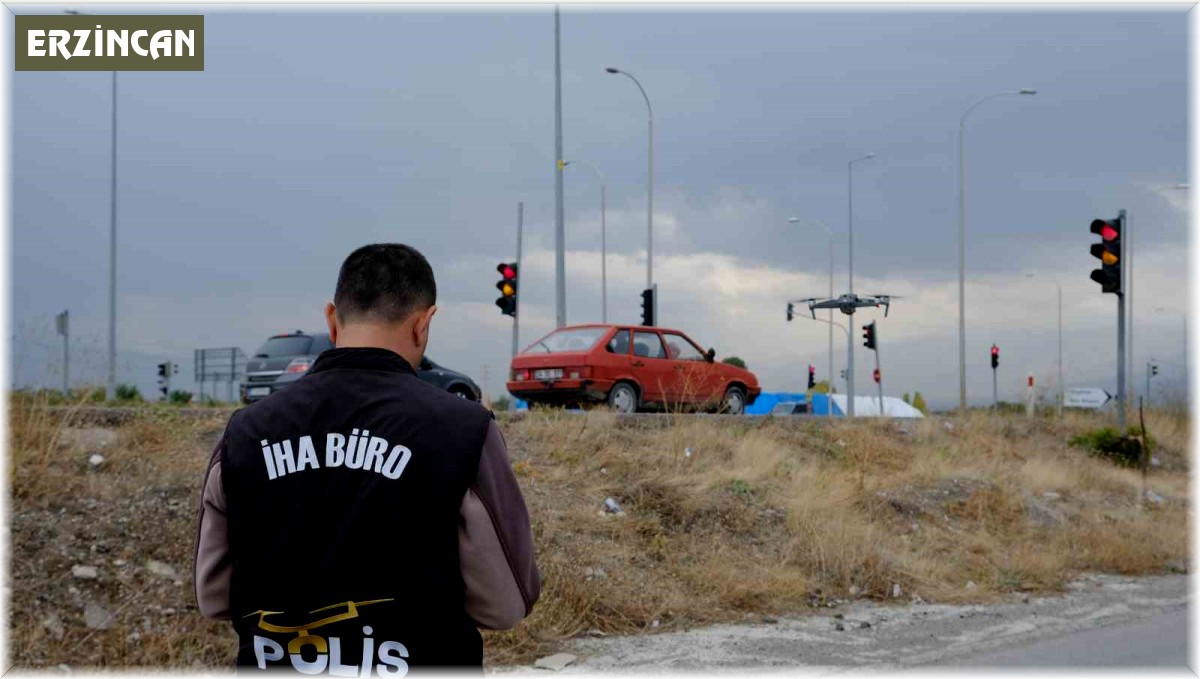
384	282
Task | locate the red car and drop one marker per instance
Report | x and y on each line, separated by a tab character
630	368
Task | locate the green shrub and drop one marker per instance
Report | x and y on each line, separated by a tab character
1108	443
918	402
740	488
734	361
128	392
180	397
90	394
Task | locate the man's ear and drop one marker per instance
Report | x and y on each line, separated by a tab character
421	327
331	321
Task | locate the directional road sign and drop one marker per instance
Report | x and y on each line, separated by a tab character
1087	397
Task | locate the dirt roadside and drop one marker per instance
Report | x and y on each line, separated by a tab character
882	637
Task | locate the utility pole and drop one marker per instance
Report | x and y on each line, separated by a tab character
560	276
484	397
1062	393
62	322
850	237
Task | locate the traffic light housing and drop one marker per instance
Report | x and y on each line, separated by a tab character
164	378
648	307
995	357
1109	252
869	335
812	377
791	310
507	285
1154	370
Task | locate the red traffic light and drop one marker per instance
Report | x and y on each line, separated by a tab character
878	376
995	351
507	270
1105	229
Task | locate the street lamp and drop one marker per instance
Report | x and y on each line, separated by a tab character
796	220
649	185
962	248
603	243
111	386
1061	386
850	224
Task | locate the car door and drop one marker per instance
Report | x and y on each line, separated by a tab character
611	361
651	368
693	374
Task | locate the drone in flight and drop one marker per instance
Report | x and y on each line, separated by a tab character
846	303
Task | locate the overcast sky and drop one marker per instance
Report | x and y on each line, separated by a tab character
309	133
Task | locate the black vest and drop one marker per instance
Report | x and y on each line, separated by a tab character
343	494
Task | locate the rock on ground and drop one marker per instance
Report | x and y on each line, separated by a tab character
161	569
554	662
54	625
97	617
85	572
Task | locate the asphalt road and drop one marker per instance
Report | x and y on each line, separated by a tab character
1099	621
1160	641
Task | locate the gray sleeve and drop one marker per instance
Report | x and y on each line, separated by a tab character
496	550
212	568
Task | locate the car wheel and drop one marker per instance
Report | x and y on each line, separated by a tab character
734	402
623	398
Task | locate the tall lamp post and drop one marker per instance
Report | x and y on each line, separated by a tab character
796	220
1061	386
962	248
850	224
603	242
649	187
111	385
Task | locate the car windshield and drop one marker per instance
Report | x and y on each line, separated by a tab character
578	339
290	345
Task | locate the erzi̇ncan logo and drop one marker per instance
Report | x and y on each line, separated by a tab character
118	42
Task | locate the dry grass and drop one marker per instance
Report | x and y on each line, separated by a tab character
763	517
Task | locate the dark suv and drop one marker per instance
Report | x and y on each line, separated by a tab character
283	359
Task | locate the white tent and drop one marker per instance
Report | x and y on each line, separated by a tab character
868	406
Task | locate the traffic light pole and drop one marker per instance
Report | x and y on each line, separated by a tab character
880	373
1121	360
995	399
1147	392
512	403
1121	336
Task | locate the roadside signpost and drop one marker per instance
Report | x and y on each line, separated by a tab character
1086	397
